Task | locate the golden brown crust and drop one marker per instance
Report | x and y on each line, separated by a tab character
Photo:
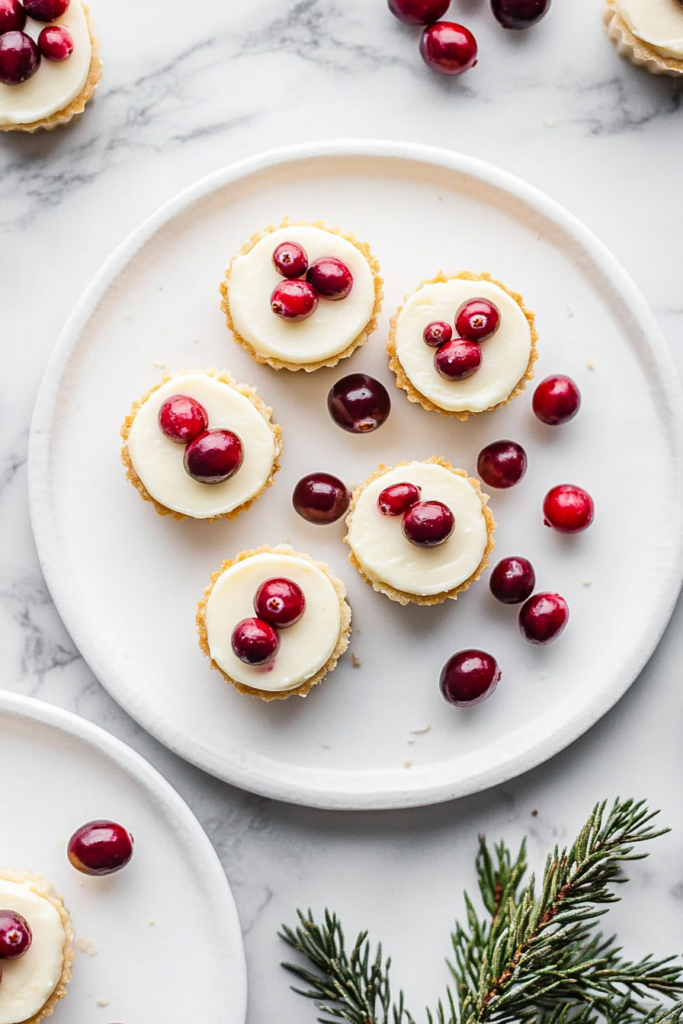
404	382
635	50
279	364
245	390
344	628
402	596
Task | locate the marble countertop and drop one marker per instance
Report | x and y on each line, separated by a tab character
184	95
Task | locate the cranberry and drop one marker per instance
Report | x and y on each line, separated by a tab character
502	464
448	48
477	319
12	16
437	333
397	499
428	524
543	617
46	10
458	359
321	498
568	509
331	278
100	848
19	58
280	602
255	642
359	403
55	43
468	678
290	260
556	400
519	13
293	300
214	456
181	418
15	935
419	12
513	580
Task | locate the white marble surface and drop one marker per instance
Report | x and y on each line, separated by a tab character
189	88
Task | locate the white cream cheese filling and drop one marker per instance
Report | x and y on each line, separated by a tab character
28	983
386	556
158	461
53	86
505	356
657	22
330	329
304	648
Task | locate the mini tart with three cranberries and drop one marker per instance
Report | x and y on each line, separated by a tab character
394	566
648	33
333	331
508	356
33	984
154	463
308	650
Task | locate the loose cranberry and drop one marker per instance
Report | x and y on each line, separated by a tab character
477	319
214	456
437	333
458	359
502	464
100	848
556	400
19	58
12	16
181	418
255	642
468	678
15	935
448	48
331	278
293	300
519	13
568	509
280	602
46	10
55	43
397	499
428	524
290	260
513	580
359	403
543	617
419	12
321	498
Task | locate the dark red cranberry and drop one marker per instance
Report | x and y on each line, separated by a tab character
214	456
419	12
55	43
458	359
331	278
428	524
568	509
519	13
12	16
19	58
181	418
255	642
477	319
468	678
290	260
293	300
100	848
397	499
513	580
448	48
556	400
502	464
280	602
543	617
437	333
15	935
321	498
46	10
359	403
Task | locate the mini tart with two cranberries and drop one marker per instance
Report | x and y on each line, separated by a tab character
308	650
648	33
155	464
333	331
404	572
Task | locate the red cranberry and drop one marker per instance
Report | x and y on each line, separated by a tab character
477	319
502	464
181	418
15	935
331	278
448	48
46	10
397	499
321	498
419	12
519	13
100	848
458	359
359	403
255	642
290	260
293	300
513	580
556	400
468	678
12	16
568	509
437	333
543	617
55	43
428	524
280	602
19	58
214	456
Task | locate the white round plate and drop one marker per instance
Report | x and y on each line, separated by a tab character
159	940
126	581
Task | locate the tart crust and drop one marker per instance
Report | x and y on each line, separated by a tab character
402	596
330	664
361	339
244	389
636	50
404	382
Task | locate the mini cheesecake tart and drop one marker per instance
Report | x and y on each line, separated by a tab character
507	357
308	650
648	33
155	464
333	331
33	984
404	572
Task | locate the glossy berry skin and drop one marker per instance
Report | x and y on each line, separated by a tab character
502	464
543	617
428	524
568	509
293	300
321	498
359	403
477	319
214	456
468	678
12	16
280	603
46	10
100	848
15	935
181	418
448	48
519	14
458	359
290	260
255	642
419	12
513	580
55	43
330	278
19	58
398	499
556	400
437	333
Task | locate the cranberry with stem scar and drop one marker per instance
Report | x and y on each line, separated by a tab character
398	499
46	10
448	48
568	509
15	935
55	43
469	677
513	580
428	524
477	319
418	12
359	403
214	456
100	847
321	498
502	464
19	58
556	400
280	602
543	617
437	333
290	260
181	418
12	16
330	278
458	359
293	301
519	14
255	642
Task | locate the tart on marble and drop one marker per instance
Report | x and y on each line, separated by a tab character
420	532
302	296
305	644
648	33
49	63
491	369
200	446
